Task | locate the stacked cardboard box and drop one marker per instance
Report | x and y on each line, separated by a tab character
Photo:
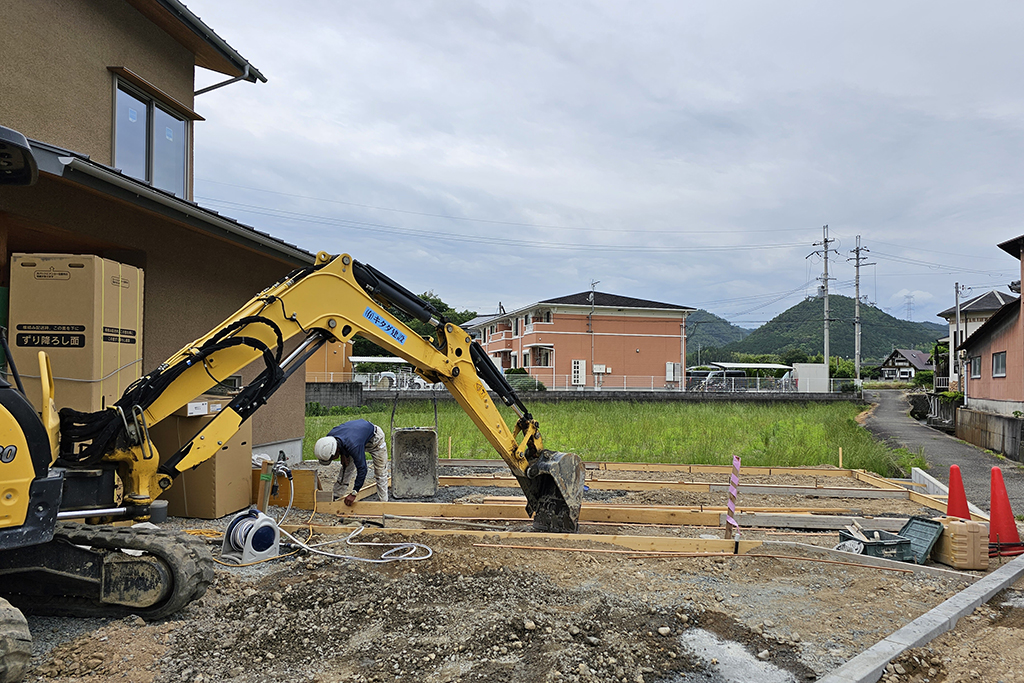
85	312
218	486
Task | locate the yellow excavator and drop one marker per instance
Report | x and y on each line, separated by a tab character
56	467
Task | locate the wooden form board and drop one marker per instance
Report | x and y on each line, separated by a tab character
639	543
634	485
819	522
936	503
670	467
521	500
588	513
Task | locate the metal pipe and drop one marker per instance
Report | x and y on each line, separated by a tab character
243	77
98	512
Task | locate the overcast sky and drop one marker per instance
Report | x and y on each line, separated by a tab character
676	151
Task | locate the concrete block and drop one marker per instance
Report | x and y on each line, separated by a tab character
867	667
923	630
414	462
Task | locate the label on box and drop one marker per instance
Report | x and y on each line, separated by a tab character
118	335
197	408
215	408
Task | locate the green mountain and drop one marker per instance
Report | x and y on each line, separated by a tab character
707	329
801	327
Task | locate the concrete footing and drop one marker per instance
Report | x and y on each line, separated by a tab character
868	666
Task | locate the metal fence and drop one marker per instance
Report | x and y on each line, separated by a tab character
541	381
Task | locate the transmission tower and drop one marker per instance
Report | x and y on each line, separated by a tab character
909	300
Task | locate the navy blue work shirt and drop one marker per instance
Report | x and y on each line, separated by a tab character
353	437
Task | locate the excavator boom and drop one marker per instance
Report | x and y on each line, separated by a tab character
337	298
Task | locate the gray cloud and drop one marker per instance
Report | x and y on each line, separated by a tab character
648	130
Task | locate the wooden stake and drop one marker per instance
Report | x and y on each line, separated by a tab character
449	448
731	527
840	457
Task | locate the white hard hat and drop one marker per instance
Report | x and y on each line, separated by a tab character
325	448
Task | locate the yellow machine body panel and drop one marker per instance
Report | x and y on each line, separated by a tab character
16	471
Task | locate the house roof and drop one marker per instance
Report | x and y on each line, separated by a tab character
919	359
989	301
1013	247
478	320
210	50
612	301
78	168
979	335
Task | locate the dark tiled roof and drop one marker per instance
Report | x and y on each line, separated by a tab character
611	301
919	359
989	301
61	162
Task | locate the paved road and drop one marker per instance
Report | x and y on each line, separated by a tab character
891	422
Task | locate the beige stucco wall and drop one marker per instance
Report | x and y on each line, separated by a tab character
54	83
193	280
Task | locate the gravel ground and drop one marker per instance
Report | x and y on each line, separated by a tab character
502	614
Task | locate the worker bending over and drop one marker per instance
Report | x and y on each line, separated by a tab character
349	442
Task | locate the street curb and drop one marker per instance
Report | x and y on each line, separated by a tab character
867	667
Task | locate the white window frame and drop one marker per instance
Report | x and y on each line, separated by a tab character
999	364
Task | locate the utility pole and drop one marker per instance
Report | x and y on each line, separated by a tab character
961	380
857	263
825	249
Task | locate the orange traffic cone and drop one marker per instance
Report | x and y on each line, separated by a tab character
956	504
1003	538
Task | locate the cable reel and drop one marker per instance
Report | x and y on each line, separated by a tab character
251	537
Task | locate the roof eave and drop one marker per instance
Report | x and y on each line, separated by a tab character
78	169
211	51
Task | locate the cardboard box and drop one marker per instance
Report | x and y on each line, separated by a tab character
206	404
218	486
306	482
85	312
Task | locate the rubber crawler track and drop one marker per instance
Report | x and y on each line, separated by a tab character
15	644
187	557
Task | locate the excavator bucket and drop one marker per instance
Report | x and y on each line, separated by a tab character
554	491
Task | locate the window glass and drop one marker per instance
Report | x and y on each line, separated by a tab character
999	364
975	366
169	151
131	135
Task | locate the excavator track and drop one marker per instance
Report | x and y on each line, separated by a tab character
183	560
15	644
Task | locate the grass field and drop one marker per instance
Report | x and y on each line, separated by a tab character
710	433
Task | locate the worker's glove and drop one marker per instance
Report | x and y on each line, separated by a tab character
350	499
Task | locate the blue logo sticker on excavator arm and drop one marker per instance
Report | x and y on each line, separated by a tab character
382	322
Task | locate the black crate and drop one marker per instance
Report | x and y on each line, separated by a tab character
890	546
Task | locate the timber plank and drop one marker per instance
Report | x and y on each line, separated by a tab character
821	522
655	543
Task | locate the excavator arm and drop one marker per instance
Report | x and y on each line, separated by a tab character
335	299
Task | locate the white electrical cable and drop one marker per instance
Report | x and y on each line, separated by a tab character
409	548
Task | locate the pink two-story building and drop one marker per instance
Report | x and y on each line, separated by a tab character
589	339
994	373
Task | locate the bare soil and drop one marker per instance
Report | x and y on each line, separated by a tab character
500	614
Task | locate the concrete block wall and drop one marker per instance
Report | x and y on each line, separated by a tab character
997	433
330	394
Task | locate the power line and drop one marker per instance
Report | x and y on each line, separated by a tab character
480	220
476	239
